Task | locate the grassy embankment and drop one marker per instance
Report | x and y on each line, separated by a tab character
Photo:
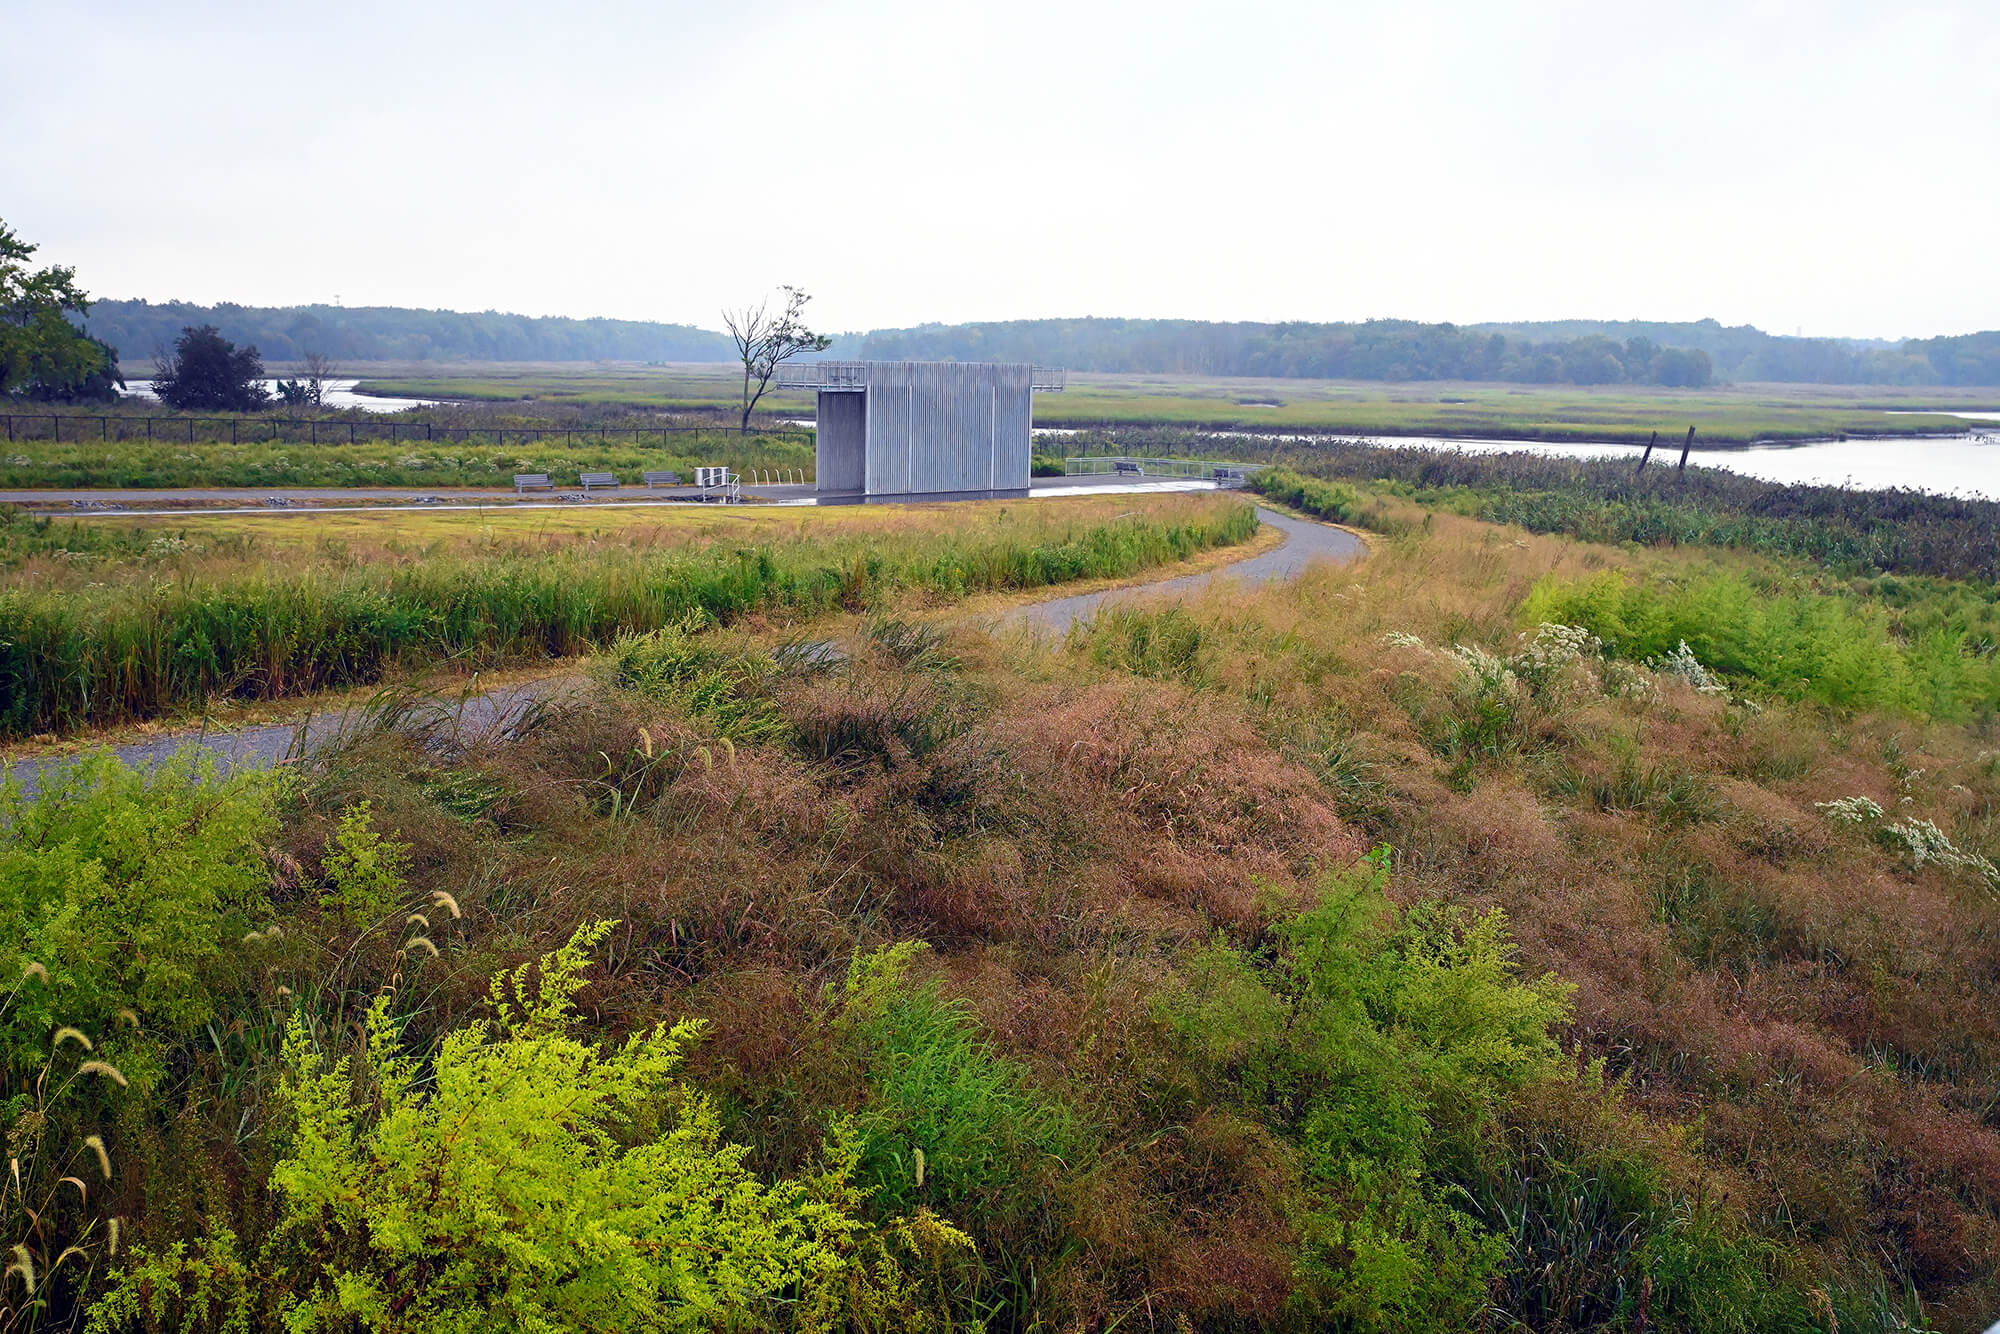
471	446
114	620
1048	987
1729	415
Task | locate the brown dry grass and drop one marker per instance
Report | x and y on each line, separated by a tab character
1823	1018
1791	1021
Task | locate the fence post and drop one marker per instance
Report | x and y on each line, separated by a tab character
10	430
149	428
315	428
1647	455
1684	453
234	423
350	433
103	428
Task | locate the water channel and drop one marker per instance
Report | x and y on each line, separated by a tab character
333	394
1959	465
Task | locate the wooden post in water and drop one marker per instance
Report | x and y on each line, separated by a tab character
1684	453
1647	455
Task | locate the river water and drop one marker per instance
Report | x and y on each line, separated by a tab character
333	394
1955	465
1958	465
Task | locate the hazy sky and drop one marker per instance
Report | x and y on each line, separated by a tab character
1811	164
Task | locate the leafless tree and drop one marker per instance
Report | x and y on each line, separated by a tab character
764	340
315	369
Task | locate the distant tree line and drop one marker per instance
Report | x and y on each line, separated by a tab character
1376	350
1687	354
1744	352
392	333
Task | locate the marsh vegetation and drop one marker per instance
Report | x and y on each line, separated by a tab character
1452	940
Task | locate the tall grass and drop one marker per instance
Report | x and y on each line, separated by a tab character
94	656
481	460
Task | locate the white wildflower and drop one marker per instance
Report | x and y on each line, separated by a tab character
1849	810
1683	664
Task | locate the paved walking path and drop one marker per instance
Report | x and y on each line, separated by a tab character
1305	542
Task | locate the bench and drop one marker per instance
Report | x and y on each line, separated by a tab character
1228	474
654	479
1128	470
592	479
532	481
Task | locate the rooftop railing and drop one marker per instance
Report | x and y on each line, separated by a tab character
854	375
824	375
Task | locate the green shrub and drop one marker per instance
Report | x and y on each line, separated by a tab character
948	1122
1796	644
132	890
1333	501
525	1180
124	899
364	870
1390	1041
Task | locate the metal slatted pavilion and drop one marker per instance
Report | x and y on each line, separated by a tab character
922	430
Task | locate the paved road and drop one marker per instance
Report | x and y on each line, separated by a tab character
1305	542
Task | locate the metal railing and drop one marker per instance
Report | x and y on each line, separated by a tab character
1222	471
824	375
853	375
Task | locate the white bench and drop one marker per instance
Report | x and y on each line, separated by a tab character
532	481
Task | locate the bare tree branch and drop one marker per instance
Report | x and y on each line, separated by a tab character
765	341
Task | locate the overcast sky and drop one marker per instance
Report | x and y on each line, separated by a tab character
1811	165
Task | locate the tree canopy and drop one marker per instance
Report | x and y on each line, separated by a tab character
207	371
43	354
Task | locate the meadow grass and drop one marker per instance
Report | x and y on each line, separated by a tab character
1729	415
483	461
1650	1008
100	637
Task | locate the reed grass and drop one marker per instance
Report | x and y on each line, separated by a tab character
73	657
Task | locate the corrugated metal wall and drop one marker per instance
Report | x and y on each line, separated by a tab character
840	443
947	427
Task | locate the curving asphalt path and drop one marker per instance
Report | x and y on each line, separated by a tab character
498	710
1305	542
